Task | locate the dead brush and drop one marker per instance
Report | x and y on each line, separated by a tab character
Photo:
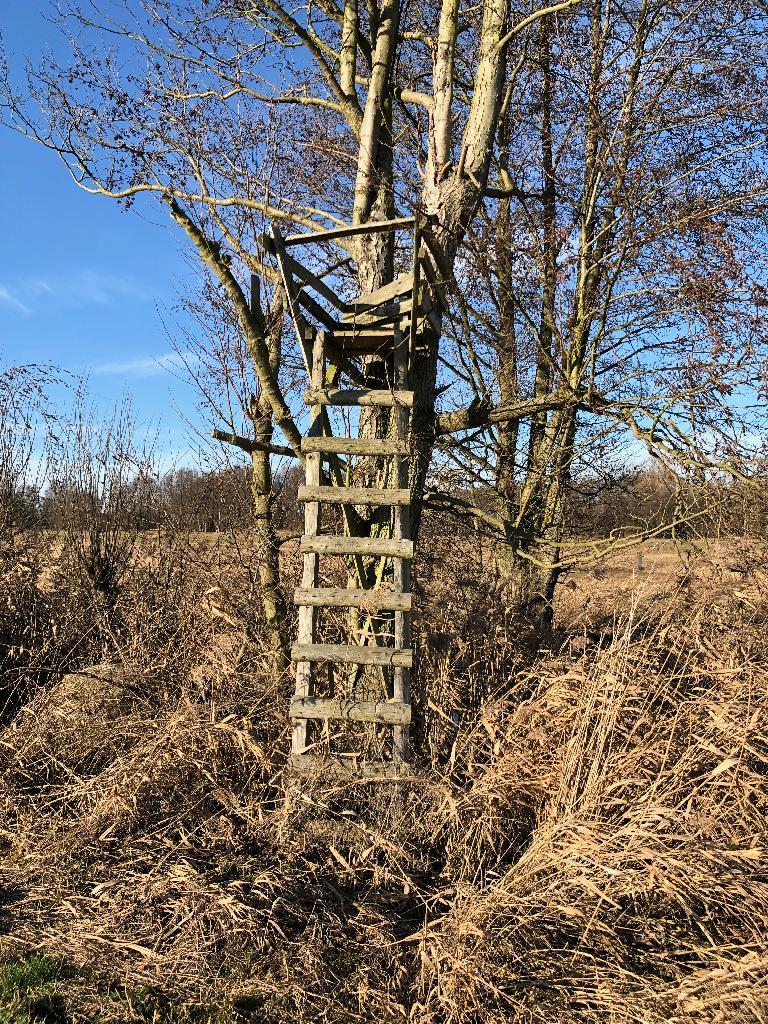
588	846
162	792
646	863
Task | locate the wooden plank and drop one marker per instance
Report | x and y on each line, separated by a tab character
350	231
346	331
318	312
380	317
336	767
401	285
381	547
304	681
372	600
355	396
291	291
383	712
354	446
361	340
351	654
355	495
374	338
308	278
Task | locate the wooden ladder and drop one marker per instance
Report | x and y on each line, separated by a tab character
392	652
391	323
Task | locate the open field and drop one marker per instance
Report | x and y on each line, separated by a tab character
583	838
466	297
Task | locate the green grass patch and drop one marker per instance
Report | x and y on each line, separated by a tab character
28	992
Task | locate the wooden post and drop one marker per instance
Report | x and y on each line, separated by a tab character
413	326
308	614
401	531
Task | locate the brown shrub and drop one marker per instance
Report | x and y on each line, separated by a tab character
584	839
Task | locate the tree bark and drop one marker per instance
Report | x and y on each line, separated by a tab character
265	539
267	549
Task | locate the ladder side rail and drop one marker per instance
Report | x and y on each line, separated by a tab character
292	297
401	532
307	614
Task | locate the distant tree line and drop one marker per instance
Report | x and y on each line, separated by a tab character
196	500
215	501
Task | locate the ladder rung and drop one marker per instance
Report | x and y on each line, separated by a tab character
352	654
356	495
355	445
340	767
349	396
369	600
383	712
381	547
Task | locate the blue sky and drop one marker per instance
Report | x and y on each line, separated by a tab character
84	285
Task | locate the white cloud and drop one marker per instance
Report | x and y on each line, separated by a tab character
151	366
11	300
29	295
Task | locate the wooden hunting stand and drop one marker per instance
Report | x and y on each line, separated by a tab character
385	327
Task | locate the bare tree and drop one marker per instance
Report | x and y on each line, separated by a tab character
215	357
618	297
24	420
102	494
610	158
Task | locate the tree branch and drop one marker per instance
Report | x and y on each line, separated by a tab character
442	502
481	414
554	9
249	444
252	327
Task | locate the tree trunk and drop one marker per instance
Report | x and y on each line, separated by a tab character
266	542
267	550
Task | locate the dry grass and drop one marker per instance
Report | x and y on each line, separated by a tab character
585	840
